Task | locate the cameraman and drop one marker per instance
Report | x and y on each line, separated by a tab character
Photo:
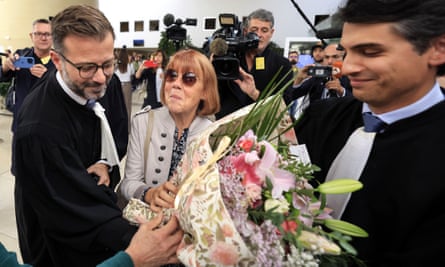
257	66
316	88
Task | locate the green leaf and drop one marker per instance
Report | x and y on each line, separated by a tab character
263	118
339	186
345	228
347	247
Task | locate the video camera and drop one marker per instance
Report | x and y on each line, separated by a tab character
175	31
227	53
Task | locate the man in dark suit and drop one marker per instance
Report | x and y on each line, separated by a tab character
314	88
26	78
258	67
401	203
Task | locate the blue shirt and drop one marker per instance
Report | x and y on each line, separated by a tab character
433	97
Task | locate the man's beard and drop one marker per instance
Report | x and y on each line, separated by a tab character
79	89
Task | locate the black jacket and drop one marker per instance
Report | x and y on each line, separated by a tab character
401	202
233	98
63	217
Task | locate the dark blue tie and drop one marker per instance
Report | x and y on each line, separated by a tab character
372	123
90	103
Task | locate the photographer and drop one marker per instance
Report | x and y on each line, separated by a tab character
326	81
257	66
25	78
152	72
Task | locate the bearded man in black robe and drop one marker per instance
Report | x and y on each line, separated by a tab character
65	202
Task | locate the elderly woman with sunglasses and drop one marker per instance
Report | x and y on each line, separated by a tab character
189	95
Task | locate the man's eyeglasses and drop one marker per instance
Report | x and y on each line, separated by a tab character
88	70
42	34
188	78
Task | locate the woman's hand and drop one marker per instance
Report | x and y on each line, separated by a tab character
139	71
162	196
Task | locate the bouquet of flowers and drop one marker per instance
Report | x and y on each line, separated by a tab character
274	208
245	200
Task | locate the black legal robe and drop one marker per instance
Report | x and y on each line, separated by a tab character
63	217
401	205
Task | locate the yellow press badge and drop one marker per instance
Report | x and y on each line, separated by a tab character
45	59
259	63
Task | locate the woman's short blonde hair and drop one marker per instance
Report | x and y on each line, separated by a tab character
195	61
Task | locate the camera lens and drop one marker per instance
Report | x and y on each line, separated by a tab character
226	68
29	60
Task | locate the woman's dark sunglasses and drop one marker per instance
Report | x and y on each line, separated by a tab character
188	78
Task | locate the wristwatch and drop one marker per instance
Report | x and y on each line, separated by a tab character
144	193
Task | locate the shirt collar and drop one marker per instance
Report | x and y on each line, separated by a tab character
82	101
433	97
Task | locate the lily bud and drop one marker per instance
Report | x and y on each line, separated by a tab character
345	228
339	186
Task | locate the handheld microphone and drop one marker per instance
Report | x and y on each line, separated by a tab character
336	69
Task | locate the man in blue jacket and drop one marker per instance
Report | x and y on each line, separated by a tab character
26	78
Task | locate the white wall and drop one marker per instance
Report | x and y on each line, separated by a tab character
288	22
17	17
